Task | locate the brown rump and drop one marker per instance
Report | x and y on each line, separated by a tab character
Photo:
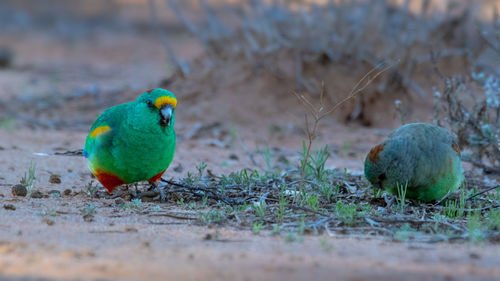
373	155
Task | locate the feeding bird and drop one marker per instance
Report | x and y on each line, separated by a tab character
134	141
423	157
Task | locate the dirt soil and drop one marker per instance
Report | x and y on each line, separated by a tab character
55	89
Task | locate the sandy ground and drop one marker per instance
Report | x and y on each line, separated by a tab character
48	239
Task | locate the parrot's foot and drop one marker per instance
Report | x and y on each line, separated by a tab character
155	190
163	197
106	195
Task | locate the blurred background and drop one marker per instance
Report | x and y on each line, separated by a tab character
239	69
235	65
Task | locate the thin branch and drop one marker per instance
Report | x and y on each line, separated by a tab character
482	192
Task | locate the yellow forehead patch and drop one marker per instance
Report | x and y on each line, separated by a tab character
159	102
99	131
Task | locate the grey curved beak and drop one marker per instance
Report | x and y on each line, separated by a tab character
166	114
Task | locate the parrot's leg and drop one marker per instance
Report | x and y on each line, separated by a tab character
160	190
154	185
105	194
155	190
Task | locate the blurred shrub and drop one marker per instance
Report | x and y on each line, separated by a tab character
472	110
299	39
302	44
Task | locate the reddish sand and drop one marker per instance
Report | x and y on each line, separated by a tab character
47	238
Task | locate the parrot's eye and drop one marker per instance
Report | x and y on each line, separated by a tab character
150	104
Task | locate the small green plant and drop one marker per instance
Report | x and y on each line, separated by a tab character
347	213
494	219
313	202
317	163
280	211
212	216
256	227
181	202
328	191
346	173
88	210
401	196
133	204
49	212
55	195
474	226
260	208
455	209
377	192
304	160
200	169
204	200
190	178
405	232
191	206
313	165
29	178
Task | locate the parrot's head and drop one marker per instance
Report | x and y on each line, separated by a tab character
376	164
158	104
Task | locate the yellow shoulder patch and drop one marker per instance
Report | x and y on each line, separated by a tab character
159	102
99	131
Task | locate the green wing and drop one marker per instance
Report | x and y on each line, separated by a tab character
102	133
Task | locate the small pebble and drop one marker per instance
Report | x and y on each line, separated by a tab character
131	229
67	192
233	157
36	194
9	207
119	201
19	190
55	179
48	221
88	218
55	193
474	256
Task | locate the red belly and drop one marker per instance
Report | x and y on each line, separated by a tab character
109	181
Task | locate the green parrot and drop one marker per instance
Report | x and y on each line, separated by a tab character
424	157
134	141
